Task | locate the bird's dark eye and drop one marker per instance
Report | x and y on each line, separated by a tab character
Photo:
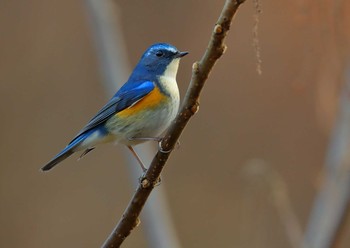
159	54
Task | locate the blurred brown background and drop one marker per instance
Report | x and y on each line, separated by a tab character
50	85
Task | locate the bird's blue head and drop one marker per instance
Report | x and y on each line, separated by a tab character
160	59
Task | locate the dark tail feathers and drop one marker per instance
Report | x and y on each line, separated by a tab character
59	157
66	152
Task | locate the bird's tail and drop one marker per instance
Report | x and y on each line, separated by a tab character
65	153
58	158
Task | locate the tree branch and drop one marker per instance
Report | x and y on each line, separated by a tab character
190	106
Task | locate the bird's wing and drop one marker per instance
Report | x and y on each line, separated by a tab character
119	102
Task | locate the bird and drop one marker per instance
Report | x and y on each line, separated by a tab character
141	110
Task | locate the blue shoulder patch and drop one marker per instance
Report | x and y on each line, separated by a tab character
129	94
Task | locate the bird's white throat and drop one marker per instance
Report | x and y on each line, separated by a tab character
168	79
171	69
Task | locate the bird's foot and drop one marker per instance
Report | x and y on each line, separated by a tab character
177	146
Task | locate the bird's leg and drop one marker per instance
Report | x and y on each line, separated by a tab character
159	140
138	158
143	167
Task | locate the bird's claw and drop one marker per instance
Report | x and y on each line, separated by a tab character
177	146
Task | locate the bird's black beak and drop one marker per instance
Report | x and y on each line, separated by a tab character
181	54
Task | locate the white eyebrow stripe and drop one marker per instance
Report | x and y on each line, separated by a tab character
168	48
171	49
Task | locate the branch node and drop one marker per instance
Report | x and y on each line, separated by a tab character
137	222
224	48
195	67
195	108
145	183
218	29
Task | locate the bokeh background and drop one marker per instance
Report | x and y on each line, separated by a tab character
254	134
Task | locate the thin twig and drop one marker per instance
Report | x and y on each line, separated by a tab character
256	43
200	73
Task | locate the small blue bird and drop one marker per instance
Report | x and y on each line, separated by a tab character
141	110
